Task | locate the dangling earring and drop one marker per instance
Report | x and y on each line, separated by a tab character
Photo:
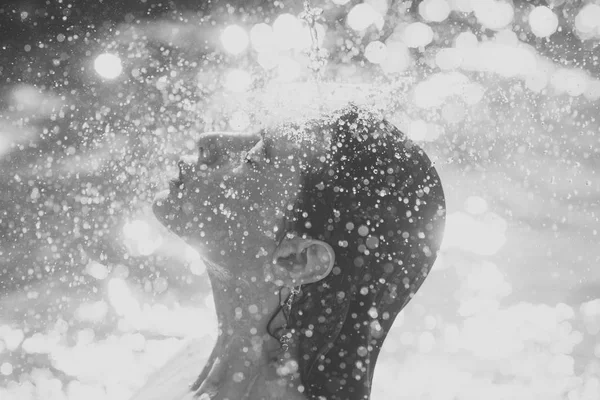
287	365
287	310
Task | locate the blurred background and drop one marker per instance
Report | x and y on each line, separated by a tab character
99	99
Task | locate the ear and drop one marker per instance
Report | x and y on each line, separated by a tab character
301	261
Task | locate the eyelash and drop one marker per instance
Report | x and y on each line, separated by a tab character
249	160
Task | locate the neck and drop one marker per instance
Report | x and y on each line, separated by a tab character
247	362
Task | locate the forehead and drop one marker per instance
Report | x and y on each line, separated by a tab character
291	138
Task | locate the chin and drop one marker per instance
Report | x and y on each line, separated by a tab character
163	209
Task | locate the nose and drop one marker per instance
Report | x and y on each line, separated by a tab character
185	169
218	147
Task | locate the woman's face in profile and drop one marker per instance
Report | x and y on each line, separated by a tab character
230	203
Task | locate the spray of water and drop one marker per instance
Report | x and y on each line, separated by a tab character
318	56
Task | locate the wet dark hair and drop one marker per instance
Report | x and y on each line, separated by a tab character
378	201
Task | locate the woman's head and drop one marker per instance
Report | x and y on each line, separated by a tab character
351	189
380	204
232	202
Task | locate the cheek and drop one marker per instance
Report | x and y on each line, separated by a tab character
236	213
235	210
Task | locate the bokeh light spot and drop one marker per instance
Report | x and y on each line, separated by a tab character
261	37
376	52
234	39
108	65
288	32
418	34
543	21
397	58
363	15
493	14
434	10
587	21
465	40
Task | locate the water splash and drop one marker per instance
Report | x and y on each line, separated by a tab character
317	55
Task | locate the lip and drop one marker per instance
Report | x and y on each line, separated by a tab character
173	183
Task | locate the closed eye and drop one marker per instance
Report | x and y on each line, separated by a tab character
206	156
250	159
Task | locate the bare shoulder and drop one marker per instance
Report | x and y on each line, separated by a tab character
172	381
